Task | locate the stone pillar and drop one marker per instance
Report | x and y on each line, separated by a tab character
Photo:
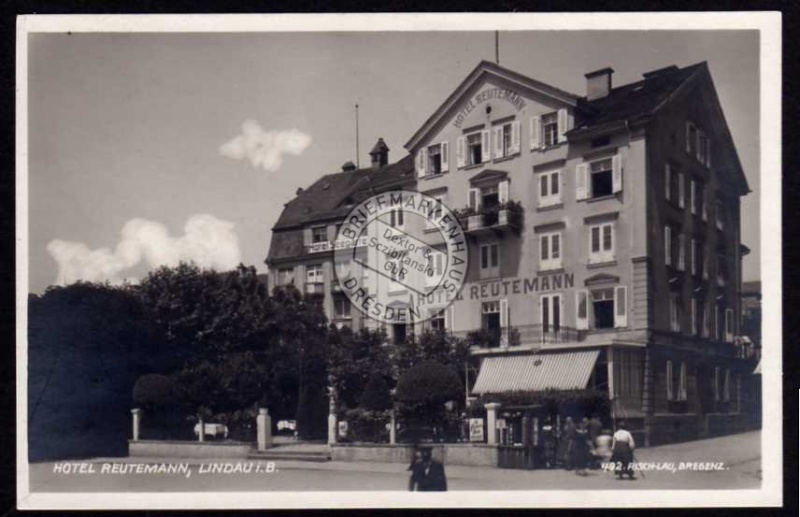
392	427
491	422
264	429
201	436
137	422
333	428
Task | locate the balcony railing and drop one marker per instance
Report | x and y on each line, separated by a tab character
315	288
525	335
506	216
319	247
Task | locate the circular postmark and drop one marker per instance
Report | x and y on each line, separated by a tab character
400	257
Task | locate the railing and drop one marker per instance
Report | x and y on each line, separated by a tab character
319	247
507	215
315	288
526	335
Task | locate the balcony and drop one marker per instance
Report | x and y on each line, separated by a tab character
484	221
529	336
315	288
320	247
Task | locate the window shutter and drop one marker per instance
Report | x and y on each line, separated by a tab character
544	191
668	245
682	383
535	132
716	383
544	248
448	319
582	309
422	160
667	182
620	306
693	197
502	191
693	308
681	252
473	198
693	255
486	149
445	150
705	204
562	125
504	313
616	174
581	170
726	386
706	318
515	137
688	137
555	246
497	138
461	152
729	325
705	264
708	152
670	388
681	189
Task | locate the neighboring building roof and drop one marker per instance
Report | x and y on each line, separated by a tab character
327	197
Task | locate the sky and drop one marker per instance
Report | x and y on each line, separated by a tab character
150	148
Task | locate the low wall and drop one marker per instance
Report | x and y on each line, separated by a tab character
450	454
186	449
672	428
727	423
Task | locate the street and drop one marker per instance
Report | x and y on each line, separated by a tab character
731	462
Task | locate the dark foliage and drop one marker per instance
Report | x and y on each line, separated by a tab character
376	396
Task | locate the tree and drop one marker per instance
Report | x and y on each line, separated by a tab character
353	357
376	396
422	392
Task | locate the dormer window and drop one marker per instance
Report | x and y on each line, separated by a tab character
550	129
506	139
319	234
475	149
435	160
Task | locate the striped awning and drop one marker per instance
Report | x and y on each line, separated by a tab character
537	372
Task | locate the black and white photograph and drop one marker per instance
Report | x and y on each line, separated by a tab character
316	261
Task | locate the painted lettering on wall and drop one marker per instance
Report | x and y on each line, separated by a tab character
509	96
504	288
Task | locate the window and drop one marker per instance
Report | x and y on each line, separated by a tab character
550	251
703	202
603	308
729	325
550	306
434	160
717	381
396	272
681	252
720	214
697	256
717	322
682	381
396	218
669	188
681	190
705	262
703	148
436	321
726	386
506	139
706	320
475	148
675	310
599	178
434	268
435	212
549	188
490	320
319	234
693	315
691	138
341	308
286	276
722	269
342	269
490	260
601	243
314	274
399	330
696	200
550	129
668	245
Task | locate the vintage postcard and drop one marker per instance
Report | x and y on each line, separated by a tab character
313	261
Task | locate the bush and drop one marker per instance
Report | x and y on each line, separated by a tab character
367	426
376	396
154	391
429	383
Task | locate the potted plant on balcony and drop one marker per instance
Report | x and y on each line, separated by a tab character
484	338
509	213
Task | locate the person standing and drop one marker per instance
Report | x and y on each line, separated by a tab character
622	447
603	446
427	474
550	443
580	449
570	435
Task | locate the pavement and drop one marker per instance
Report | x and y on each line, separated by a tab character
730	462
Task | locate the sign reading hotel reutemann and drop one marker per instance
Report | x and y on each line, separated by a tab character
405	245
509	96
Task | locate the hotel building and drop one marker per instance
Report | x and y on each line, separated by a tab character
604	241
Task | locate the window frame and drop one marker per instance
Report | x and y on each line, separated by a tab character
602	255
546	180
489	270
550	262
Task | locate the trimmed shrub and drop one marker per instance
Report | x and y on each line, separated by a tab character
429	383
376	396
367	426
154	390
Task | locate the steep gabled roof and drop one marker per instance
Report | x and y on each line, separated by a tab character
327	198
485	68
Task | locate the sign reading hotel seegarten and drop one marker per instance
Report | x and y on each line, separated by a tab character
400	247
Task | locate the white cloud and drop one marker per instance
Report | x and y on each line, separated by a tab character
265	149
207	241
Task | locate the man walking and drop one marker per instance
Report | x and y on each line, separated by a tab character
427	474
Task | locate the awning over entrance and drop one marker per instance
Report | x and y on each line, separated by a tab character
537	372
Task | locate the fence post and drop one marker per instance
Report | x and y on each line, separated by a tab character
332	426
264	429
491	422
137	422
392	427
201	436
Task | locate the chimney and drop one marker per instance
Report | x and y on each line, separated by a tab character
380	154
348	167
598	83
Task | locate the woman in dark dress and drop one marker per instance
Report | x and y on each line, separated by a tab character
568	439
580	449
550	443
622	452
